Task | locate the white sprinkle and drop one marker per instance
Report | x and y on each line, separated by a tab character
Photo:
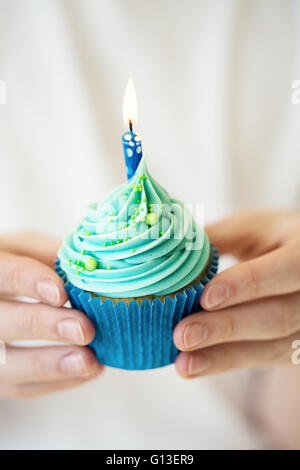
129	152
127	136
137	138
131	143
139	149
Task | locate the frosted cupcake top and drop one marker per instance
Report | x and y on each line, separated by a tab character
137	241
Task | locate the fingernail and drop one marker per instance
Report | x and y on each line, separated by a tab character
70	329
73	364
194	335
216	295
48	291
198	364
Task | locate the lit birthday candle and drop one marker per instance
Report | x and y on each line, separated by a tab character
132	143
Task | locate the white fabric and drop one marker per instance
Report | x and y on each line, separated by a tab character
213	80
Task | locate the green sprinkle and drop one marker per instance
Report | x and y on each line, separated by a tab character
161	233
90	264
126	197
136	190
78	272
105	244
110	220
69	260
132	185
112	213
144	177
152	219
143	219
144	199
140	177
112	243
132	250
118	241
108	267
87	233
82	252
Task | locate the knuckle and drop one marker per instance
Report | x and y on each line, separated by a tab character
32	325
40	367
234	287
227	360
13	278
228	326
251	280
288	319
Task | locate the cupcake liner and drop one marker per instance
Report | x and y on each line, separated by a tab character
139	335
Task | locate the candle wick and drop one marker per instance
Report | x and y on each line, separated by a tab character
130	125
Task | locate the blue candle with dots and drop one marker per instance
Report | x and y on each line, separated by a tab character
132	142
132	145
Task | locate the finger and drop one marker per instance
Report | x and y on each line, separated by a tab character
277	317
241	355
244	235
20	320
31	244
25	276
272	274
39	389
48	364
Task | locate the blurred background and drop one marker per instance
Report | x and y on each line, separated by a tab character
214	83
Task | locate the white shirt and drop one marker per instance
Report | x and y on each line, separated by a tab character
213	80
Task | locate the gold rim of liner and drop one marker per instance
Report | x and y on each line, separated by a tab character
127	300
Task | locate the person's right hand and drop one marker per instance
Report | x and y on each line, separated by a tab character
25	261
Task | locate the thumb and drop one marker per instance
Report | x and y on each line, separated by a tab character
239	234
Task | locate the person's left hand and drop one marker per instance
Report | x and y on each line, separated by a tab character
252	312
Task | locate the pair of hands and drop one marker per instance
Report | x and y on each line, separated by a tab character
251	311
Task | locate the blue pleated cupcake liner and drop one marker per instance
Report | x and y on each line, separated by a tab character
139	335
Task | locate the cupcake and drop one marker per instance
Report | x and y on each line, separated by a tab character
136	265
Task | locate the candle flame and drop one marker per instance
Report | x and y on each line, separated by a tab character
130	104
